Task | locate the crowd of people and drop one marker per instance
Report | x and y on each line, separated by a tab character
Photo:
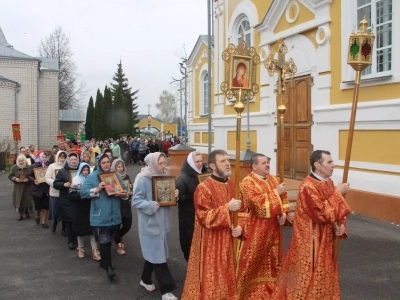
85	207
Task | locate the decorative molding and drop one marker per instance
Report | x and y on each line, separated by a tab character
8	85
247	8
296	6
218	11
204	55
327	35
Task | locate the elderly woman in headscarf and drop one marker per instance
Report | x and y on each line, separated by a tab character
154	226
50	176
40	190
63	183
186	184
118	166
22	198
81	217
105	214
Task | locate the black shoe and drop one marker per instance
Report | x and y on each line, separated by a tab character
110	273
45	225
37	221
64	233
54	227
21	217
71	246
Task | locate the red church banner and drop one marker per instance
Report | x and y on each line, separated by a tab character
16	130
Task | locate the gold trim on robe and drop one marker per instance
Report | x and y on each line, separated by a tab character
308	272
258	263
211	271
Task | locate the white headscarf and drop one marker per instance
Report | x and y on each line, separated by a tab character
151	161
191	161
23	165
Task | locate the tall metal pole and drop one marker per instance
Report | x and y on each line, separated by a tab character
184	141
180	98
209	10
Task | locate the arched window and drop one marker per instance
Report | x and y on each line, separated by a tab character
204	94
244	31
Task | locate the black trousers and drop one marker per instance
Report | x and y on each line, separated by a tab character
68	230
163	276
123	229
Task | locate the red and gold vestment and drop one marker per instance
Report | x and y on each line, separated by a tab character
211	272
258	256
308	271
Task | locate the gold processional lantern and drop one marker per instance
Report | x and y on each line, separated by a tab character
361	46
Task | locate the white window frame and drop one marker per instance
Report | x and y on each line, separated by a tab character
349	23
248	33
204	101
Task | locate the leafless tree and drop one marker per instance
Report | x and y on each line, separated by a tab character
57	45
167	107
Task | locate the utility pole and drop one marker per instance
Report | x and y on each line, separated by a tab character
209	73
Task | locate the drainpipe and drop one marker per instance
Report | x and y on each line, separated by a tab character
37	106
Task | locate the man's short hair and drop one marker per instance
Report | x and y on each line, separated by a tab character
254	158
212	157
108	150
316	156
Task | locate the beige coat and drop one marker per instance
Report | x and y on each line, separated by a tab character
21	197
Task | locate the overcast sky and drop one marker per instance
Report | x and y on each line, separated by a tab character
145	34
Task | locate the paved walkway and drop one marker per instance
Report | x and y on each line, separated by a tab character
36	264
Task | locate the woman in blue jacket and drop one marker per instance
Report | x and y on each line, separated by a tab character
105	215
154	225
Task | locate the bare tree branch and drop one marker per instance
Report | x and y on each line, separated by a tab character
57	45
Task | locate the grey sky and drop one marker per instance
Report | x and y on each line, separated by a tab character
145	34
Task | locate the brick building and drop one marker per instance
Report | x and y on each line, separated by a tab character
28	96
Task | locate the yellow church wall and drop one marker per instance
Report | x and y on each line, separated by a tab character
153	123
204	137
366	94
197	138
304	16
197	88
231	138
372	146
172	128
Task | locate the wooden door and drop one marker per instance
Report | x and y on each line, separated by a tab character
297	131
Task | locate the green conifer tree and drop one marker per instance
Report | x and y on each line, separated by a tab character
120	114
99	125
108	114
89	120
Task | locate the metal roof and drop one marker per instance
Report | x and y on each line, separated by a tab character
3	40
49	63
72	115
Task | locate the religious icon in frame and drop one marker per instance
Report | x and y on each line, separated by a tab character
202	177
128	185
113	186
164	190
72	174
240	68
40	174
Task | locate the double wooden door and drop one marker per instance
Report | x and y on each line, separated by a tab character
297	129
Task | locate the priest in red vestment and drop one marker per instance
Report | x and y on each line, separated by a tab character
211	271
308	270
258	257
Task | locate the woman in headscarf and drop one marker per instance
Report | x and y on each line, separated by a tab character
22	198
62	183
50	176
154	226
40	191
118	166
186	184
105	214
81	217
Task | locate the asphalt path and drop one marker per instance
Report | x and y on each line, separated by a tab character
37	264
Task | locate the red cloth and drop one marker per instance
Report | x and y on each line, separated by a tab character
308	271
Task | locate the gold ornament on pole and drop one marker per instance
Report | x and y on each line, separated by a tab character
282	68
359	57
240	82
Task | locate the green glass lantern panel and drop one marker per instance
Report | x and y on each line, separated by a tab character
354	49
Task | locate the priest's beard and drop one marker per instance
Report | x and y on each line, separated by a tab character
223	173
